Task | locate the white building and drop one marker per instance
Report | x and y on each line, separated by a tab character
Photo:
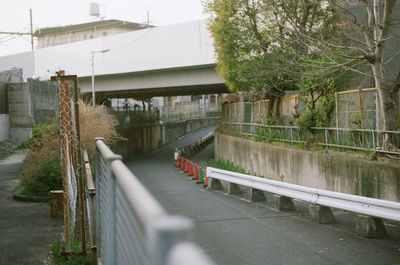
53	36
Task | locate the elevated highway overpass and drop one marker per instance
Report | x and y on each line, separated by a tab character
160	61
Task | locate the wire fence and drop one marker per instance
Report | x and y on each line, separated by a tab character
356	139
358	109
71	160
189	110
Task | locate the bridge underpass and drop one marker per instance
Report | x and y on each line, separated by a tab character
157	83
234	231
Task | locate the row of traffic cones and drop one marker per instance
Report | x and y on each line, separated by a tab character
193	170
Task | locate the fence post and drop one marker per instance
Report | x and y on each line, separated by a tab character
164	233
337	109
326	139
373	140
291	136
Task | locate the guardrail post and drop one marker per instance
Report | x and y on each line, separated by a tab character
233	189
256	195
321	214
164	233
214	184
283	203
370	227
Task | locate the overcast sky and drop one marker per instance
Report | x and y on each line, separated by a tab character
14	15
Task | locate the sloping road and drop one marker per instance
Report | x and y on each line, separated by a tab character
26	229
233	231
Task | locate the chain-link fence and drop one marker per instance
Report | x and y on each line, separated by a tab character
71	160
358	109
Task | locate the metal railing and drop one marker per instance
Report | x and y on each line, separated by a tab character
356	139
358	204
132	227
90	194
196	146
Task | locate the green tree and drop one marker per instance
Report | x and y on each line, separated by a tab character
259	43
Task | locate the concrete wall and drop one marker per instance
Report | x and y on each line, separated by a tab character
340	172
29	104
4	127
3	98
144	139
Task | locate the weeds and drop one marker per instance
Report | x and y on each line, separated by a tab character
225	165
6	149
57	259
42	168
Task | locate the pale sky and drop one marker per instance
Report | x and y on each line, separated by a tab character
14	15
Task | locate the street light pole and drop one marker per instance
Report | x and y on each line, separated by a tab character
93	90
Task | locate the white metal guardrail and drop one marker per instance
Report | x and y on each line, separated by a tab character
201	143
358	204
132	227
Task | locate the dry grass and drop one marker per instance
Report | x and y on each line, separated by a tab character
42	167
97	122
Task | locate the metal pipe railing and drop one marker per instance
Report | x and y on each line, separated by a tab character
133	228
356	139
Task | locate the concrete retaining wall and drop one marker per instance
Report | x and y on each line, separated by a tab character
4	127
144	139
342	172
29	104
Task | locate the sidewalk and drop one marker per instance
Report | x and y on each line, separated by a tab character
26	229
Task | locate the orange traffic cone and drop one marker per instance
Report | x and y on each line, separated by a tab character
186	166
195	172
190	171
183	161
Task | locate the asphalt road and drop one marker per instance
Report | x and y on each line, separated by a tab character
26	229
233	231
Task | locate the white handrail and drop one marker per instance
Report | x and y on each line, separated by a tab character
354	203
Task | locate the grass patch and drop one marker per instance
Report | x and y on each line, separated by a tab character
57	259
225	165
6	149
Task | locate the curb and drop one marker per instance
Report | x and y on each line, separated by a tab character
27	198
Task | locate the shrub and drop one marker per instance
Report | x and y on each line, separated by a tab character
42	170
42	167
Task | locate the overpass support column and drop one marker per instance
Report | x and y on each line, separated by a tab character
370	227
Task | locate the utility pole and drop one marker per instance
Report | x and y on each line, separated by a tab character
23	33
30	15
